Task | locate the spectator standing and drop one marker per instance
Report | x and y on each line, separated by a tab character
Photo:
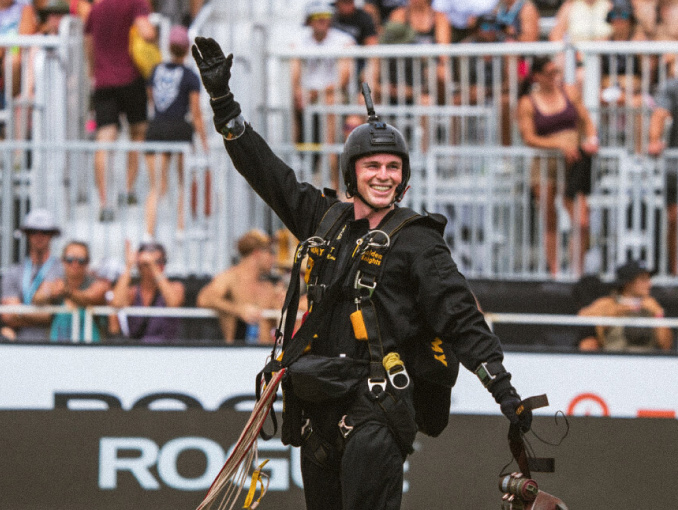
15	18
174	91
242	292
320	80
179	12
518	20
78	289
80	8
358	24
429	25
582	20
552	115
666	109
153	289
462	14
21	281
380	10
118	86
630	298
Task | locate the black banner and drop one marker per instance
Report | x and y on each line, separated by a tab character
141	459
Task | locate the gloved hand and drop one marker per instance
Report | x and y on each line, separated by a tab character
214	67
215	71
509	405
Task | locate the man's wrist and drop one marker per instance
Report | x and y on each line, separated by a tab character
234	128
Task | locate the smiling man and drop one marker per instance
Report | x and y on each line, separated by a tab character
384	295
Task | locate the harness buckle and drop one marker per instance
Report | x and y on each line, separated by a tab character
359	285
379	384
344	428
399	377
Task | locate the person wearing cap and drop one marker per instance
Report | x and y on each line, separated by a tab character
21	281
242	292
319	80
356	427
174	92
630	297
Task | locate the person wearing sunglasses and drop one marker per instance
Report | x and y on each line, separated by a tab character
78	288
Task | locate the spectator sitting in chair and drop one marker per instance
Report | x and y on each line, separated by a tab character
630	298
77	289
153	289
21	281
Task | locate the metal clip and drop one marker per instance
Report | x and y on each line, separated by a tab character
374	244
376	383
344	427
358	284
306	429
400	374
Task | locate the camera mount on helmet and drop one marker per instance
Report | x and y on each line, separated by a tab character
373	137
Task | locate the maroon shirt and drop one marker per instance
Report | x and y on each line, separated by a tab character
109	24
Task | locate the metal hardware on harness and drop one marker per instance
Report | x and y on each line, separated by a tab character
371	236
306	429
344	427
358	285
399	373
376	383
315	241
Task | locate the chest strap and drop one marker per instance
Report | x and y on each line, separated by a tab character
367	267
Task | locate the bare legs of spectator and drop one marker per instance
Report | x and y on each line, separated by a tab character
108	133
579	242
672	237
137	134
158	188
545	200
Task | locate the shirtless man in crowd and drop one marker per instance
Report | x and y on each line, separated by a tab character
241	293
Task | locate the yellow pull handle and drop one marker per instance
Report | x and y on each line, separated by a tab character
358	322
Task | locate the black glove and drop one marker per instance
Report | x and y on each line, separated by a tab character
214	67
215	71
510	404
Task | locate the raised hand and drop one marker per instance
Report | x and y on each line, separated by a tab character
214	66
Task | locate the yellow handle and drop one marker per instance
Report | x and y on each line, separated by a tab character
256	477
358	322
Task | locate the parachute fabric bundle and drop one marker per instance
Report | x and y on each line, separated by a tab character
228	484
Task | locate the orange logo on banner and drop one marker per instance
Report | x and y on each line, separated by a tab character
587	401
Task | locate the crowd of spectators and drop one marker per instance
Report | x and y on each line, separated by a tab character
550	114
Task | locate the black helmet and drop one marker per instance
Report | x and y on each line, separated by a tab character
373	137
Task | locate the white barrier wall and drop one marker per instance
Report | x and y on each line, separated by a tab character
623	386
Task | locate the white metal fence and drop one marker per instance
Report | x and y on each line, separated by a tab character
456	105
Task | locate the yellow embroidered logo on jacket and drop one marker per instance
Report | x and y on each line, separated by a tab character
372	257
436	345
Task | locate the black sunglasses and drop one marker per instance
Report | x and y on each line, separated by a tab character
80	260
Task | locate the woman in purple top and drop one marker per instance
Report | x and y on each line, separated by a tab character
153	289
552	115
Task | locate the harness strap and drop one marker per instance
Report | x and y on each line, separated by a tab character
363	277
333	218
517	445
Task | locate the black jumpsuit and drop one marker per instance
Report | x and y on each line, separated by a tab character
420	289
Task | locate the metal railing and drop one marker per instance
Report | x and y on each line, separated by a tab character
447	99
491	318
